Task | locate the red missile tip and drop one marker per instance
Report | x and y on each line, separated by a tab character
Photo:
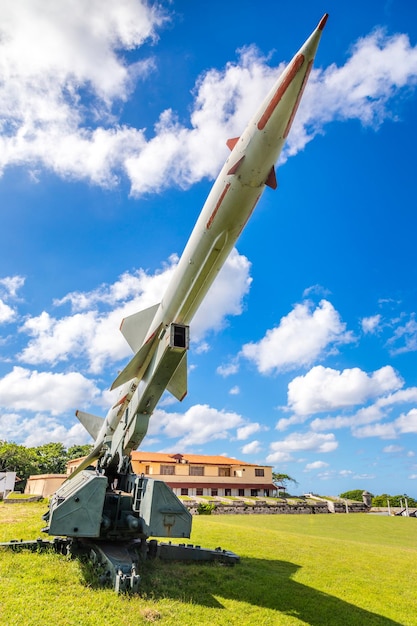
323	21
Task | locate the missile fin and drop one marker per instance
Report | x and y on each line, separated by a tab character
137	366
178	383
92	423
271	181
135	327
230	143
236	166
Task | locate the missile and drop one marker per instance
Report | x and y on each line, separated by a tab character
159	335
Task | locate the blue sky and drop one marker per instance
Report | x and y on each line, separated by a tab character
113	122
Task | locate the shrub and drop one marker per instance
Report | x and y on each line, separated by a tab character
205	508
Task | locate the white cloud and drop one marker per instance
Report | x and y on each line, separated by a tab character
254	447
404	338
301	337
324	389
64	79
40	429
370	325
315	465
384	431
407	423
234	391
200	424
392	449
295	442
7	314
34	391
8	291
246	431
51	57
228	369
10	285
94	334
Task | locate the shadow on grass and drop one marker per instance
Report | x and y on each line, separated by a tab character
259	582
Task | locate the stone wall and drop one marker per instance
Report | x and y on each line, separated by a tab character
265	508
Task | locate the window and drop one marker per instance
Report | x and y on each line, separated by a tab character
259	472
214	492
167	470
224	471
253	492
227	492
199	491
184	491
196	470
241	492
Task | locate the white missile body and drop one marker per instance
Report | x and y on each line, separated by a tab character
159	334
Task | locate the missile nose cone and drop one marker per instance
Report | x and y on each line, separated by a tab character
323	21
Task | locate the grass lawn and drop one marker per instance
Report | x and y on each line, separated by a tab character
335	570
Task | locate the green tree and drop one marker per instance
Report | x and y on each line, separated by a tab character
52	458
354	494
282	479
398	500
76	452
17	458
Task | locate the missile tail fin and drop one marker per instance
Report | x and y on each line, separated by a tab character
92	423
178	383
137	366
135	327
271	181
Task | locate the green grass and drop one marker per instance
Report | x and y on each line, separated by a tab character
335	570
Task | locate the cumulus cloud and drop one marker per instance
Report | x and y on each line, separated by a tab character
315	465
62	72
91	332
199	425
407	423
65	75
301	337
249	429
324	389
40	429
254	447
9	287
281	451
23	389
7	313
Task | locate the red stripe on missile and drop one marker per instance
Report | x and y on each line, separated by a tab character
151	336
323	21
121	401
292	71
297	102
217	207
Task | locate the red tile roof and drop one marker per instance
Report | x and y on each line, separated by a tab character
139	456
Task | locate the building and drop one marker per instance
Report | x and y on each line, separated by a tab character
201	475
44	484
